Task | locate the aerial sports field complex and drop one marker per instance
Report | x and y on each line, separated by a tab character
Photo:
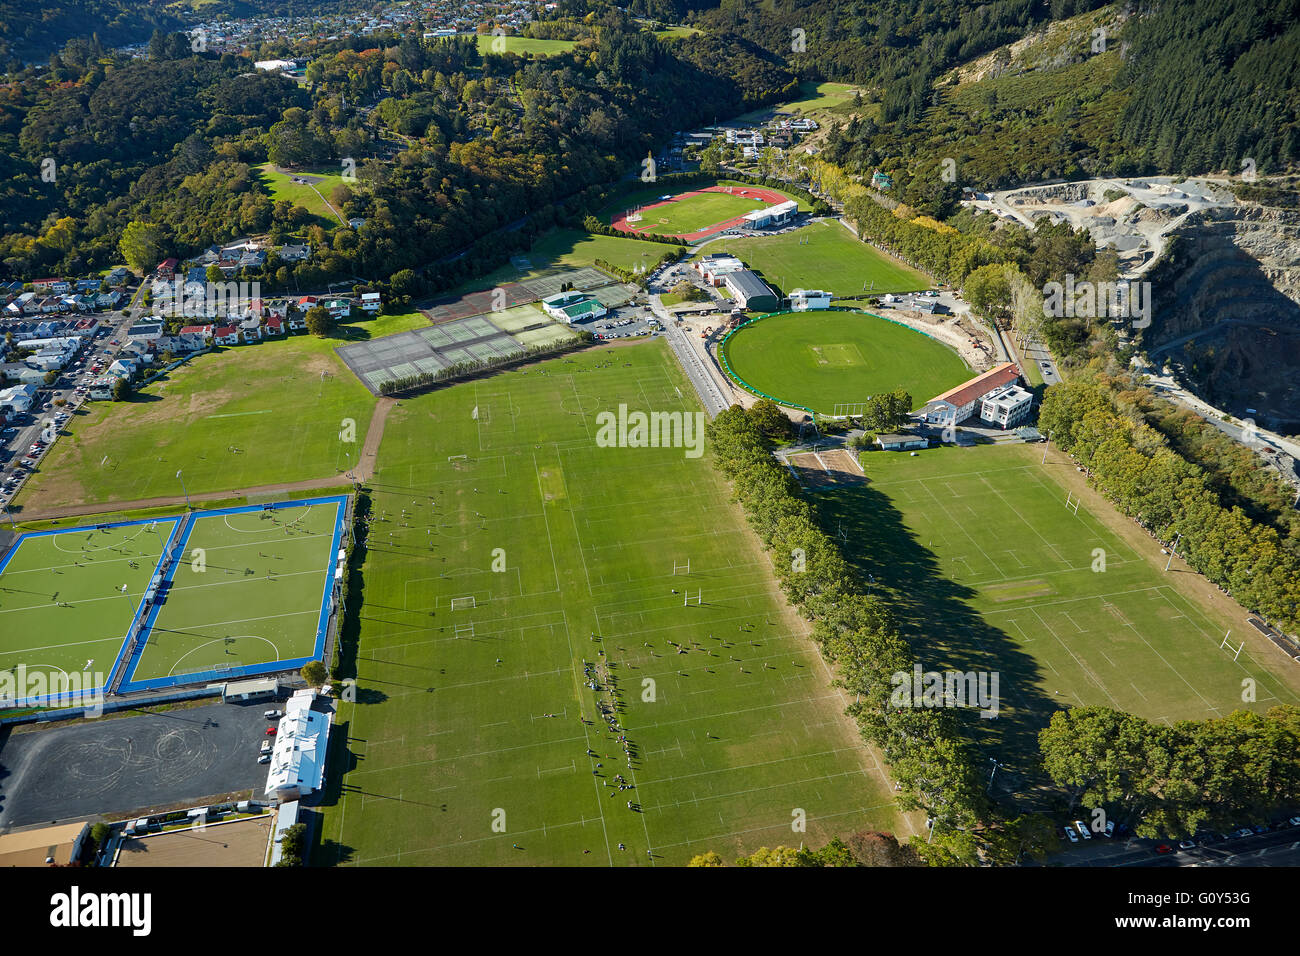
157	603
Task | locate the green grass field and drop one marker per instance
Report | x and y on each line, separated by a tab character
813	98
823	255
522	45
693	213
820	359
570	249
988	570
61	604
472	725
280	186
252	595
234	418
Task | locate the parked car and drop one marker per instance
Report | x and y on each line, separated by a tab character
273	714
1186	844
1164	848
1110	829
265	758
270	731
1294	821
1083	829
1074	837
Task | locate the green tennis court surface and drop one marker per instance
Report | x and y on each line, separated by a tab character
248	590
63	609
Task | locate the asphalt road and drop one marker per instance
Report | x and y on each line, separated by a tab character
701	377
118	765
1271	848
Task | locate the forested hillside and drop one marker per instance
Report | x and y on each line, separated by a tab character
170	142
1184	86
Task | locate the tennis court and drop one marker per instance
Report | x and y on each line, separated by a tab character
252	592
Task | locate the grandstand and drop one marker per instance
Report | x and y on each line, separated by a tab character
777	215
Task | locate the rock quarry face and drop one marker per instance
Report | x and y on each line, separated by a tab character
1227	309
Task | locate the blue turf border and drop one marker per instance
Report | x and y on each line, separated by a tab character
174	521
248	670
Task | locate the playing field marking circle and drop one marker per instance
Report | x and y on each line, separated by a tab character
49	691
84	550
222	640
227	518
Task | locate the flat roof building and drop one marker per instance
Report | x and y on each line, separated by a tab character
298	758
750	292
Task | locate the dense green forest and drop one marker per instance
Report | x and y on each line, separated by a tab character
170	142
1183	86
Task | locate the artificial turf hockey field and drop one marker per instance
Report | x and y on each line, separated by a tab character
243	591
989	570
476	736
62	607
251	587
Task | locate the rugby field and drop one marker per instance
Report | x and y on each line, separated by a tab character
988	570
512	564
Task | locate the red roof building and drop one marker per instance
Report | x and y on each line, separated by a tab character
958	404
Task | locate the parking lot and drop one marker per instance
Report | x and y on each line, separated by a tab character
26	436
624	322
117	765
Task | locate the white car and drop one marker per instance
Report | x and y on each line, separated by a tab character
1083	829
1069	832
273	714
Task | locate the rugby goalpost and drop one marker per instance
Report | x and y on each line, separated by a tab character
682	568
1072	503
1224	643
464	630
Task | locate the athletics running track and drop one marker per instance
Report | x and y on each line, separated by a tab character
769	196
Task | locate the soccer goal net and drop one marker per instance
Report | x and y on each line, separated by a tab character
463	603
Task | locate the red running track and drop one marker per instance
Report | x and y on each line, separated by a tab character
769	196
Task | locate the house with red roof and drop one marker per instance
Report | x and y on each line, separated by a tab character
225	335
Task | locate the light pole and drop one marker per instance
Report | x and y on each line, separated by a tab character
1049	438
184	490
10	515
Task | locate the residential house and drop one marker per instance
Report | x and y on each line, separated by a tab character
295	252
370	302
225	335
17	398
167	268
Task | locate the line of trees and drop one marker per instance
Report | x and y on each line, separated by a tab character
935	766
1177	780
862	848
